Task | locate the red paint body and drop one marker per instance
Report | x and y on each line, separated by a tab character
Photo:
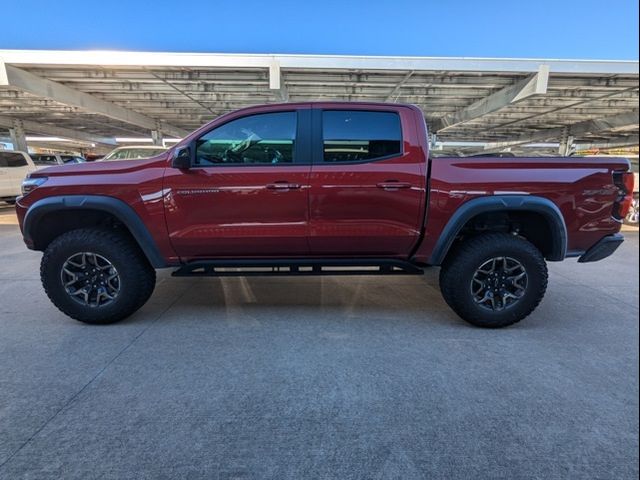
395	208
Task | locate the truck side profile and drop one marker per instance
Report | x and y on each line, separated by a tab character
320	189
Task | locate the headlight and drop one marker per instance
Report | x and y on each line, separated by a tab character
30	184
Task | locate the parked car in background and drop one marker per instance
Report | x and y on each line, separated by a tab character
132	153
14	167
632	216
49	159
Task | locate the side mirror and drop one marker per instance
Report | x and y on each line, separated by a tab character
182	158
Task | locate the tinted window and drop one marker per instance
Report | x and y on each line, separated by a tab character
267	138
10	159
44	159
354	136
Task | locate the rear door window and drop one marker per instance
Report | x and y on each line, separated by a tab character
11	159
360	136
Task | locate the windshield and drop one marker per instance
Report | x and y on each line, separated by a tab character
132	153
72	159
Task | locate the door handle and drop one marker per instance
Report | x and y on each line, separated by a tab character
393	185
283	186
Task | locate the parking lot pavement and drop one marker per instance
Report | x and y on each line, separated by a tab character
320	377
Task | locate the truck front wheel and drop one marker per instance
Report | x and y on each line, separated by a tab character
96	276
494	280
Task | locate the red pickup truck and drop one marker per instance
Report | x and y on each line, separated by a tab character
318	189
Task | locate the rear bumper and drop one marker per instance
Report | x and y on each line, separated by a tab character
603	248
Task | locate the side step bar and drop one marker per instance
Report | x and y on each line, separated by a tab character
288	267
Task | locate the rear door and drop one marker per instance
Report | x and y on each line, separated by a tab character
367	182
247	194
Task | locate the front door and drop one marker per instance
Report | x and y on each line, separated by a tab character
367	182
246	194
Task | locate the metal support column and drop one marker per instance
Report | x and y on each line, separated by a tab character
433	139
18	136
156	135
566	142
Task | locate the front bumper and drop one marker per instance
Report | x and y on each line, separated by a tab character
603	248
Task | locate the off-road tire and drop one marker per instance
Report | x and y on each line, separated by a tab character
136	276
462	262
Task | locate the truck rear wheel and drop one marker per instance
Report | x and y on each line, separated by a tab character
96	276
494	280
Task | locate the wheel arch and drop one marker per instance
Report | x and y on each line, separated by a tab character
35	232
509	204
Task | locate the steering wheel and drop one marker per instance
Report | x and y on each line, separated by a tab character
273	154
232	156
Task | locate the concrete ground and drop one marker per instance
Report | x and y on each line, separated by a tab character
345	377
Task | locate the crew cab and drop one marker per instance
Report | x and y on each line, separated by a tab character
320	189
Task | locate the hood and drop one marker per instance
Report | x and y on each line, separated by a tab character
97	168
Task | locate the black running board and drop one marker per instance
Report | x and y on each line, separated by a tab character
289	267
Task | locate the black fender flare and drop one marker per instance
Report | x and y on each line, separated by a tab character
522	203
119	209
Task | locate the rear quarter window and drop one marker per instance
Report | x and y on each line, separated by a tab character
10	159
